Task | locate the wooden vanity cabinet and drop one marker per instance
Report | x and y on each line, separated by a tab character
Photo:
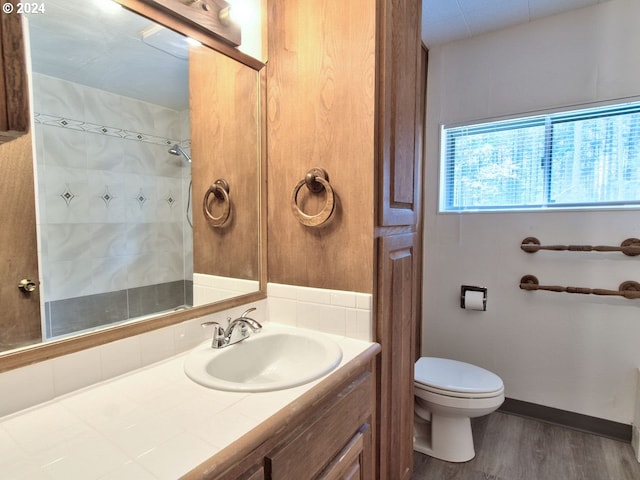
252	474
327	434
349	463
334	442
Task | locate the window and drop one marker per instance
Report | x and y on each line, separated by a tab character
582	158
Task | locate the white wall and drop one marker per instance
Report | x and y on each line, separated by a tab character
573	352
249	15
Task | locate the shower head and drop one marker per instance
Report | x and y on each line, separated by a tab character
177	150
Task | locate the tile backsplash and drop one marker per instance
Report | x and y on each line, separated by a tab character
27	386
337	312
213	288
331	311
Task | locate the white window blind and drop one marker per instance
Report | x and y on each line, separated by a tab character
582	158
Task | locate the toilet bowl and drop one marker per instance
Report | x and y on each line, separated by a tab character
448	393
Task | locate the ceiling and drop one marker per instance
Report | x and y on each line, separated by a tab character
448	20
114	51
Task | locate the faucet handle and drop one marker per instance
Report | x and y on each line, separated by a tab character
207	324
218	334
254	324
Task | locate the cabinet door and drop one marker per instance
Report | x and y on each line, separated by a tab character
399	136
255	472
396	316
307	454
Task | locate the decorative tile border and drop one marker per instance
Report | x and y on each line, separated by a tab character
141	198
68	195
69	123
107	196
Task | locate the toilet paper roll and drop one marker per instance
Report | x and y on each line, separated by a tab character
473	300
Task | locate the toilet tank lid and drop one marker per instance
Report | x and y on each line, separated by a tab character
455	376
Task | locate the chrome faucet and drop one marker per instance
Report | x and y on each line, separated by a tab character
237	330
218	334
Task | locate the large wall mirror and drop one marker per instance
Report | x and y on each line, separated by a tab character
148	170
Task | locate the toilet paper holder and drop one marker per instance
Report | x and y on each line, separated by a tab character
469	288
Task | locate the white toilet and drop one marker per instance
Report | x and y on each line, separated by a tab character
448	394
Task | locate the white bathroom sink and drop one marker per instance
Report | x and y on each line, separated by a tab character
273	359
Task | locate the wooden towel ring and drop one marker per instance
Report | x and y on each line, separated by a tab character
316	180
220	189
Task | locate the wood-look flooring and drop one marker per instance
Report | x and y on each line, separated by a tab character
510	447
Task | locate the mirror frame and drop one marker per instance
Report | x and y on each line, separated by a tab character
40	352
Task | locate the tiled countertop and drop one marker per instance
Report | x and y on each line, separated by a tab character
152	423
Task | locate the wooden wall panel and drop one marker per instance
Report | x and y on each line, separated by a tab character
225	143
321	103
343	94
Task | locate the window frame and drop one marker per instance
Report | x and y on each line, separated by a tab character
549	118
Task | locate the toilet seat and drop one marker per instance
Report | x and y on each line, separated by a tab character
448	393
453	378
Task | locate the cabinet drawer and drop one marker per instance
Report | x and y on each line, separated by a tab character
257	475
253	473
309	452
346	465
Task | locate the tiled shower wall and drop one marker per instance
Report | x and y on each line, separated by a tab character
115	241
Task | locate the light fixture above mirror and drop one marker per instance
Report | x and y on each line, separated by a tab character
214	16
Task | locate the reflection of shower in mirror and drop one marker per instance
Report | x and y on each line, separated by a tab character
117	245
178	150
